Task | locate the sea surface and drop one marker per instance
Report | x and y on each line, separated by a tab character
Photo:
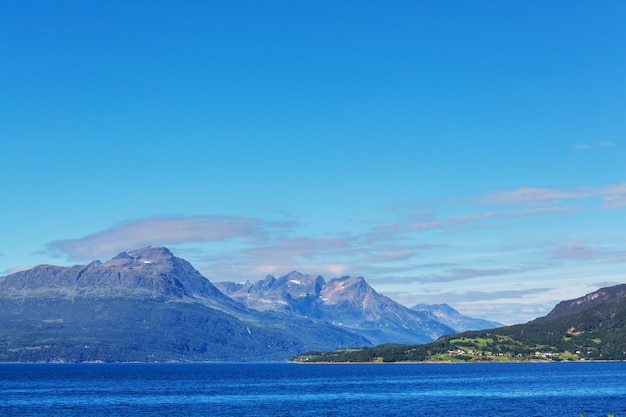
284	389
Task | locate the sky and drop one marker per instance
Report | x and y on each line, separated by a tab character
469	153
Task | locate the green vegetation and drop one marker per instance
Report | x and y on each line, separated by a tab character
479	342
598	333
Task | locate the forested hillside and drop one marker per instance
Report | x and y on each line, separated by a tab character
592	329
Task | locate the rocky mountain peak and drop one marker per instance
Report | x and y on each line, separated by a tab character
349	302
149	252
300	281
144	273
140	257
347	289
435	308
144	304
268	281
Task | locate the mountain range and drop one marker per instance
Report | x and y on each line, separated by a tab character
149	305
351	303
592	327
145	305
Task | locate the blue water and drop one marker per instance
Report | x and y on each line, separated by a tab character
282	389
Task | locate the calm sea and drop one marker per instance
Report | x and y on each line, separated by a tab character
282	389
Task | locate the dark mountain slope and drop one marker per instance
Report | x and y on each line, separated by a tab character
143	305
604	296
121	330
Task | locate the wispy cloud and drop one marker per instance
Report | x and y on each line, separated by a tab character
586	146
508	213
406	245
473	217
604	284
481	296
577	250
252	247
413	223
462	223
336	256
522	195
300	248
162	231
513	304
463	274
613	196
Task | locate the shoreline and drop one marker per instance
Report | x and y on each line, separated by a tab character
315	363
454	363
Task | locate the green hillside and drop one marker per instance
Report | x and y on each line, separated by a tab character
594	333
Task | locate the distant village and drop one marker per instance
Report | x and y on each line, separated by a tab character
543	355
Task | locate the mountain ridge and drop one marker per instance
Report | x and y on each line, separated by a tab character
349	302
148	304
601	296
49	313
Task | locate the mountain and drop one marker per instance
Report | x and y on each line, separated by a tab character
149	273
604	296
144	305
294	293
592	327
455	320
348	302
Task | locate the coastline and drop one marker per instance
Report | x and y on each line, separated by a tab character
453	362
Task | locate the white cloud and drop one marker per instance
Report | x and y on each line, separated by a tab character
411	223
586	146
463	274
300	247
522	195
614	196
577	250
508	213
389	251
508	306
162	231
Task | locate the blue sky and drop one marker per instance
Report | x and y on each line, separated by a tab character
462	152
